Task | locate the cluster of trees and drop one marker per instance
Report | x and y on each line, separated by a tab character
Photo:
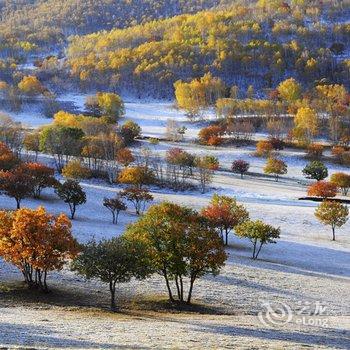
289	114
235	44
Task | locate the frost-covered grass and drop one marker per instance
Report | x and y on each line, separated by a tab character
304	266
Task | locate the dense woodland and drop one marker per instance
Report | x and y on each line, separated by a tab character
259	44
40	25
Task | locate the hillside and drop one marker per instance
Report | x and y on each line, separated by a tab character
243	45
31	25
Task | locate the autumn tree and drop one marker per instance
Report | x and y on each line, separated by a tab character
125	157
206	166
115	206
180	165
36	243
275	167
139	197
41	176
333	214
31	85
75	170
315	170
211	135
136	176
72	194
306	124
106	104
8	160
32	143
181	246
263	148
129	131
224	214
315	151
342	181
289	90
240	166
323	189
17	184
258	233
198	94
113	261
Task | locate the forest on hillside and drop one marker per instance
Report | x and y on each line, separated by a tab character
29	26
244	45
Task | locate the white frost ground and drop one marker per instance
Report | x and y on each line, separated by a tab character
304	266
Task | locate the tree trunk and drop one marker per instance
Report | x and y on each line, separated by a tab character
257	254
190	290
112	290
168	285
333	232
254	249
18	202
72	210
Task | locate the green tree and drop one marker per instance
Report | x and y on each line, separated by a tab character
258	233
113	261
61	142
72	194
315	170
180	244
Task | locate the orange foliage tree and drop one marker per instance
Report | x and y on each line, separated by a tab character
36	242
41	176
323	189
7	159
264	148
125	157
16	184
224	214
211	135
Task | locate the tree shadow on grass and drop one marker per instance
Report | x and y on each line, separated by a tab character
40	336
